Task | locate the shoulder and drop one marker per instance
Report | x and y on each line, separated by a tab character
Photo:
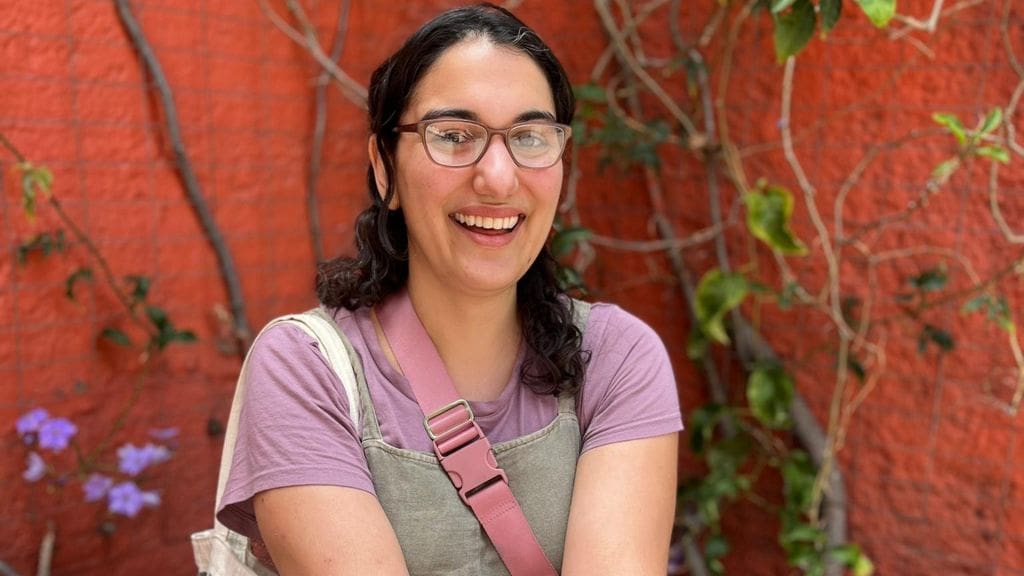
612	331
629	391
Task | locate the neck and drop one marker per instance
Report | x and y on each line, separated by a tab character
477	335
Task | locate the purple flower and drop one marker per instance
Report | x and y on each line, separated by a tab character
127	500
96	487
35	468
55	433
133	460
30	422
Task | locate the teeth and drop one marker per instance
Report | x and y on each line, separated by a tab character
487	222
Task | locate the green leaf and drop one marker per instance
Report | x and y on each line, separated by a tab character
830	10
931	280
569	279
33	180
768	217
769	394
590	92
702	424
997	310
992	120
798	475
45	243
186	336
69	283
780	5
565	240
158	317
139	288
880	12
953	124
938	336
116	336
853	558
717	294
716	546
697	344
997	153
794	29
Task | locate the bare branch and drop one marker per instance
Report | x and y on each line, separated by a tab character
997	213
353	90
319	128
191	183
630	62
695	239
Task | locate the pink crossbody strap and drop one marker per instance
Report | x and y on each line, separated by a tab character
461	447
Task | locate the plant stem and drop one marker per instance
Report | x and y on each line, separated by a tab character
191	183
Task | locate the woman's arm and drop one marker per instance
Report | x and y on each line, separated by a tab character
623	506
327	530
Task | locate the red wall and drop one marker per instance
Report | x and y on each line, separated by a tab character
932	469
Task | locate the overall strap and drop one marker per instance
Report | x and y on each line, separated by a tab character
459	443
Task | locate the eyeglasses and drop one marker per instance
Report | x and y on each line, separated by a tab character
459	143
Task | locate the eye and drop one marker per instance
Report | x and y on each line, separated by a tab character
535	138
451	133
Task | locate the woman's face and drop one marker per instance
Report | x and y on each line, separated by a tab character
498	87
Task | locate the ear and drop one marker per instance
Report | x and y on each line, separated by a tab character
380	175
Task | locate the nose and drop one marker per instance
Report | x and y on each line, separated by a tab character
496	172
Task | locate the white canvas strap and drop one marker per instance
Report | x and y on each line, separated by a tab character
212	547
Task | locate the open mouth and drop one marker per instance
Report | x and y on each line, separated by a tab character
487	224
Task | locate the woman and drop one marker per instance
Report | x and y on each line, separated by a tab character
469	120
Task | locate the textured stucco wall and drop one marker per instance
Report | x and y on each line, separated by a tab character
933	471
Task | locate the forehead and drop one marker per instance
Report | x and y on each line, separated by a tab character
492	82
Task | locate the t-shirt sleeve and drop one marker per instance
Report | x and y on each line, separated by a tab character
293	428
629	392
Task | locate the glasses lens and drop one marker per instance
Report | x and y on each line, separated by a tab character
454	143
536	145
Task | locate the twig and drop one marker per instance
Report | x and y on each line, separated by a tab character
851	408
46	549
352	89
695	239
6	570
824	479
1018	357
1004	31
734	167
915	24
12	149
630	62
1011	110
806	428
831	257
1016	266
993	205
319	128
606	56
932	23
192	187
853	178
90	246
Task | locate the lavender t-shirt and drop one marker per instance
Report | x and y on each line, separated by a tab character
294	426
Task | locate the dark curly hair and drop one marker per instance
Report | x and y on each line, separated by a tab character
555	362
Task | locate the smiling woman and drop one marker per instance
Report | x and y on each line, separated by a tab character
487	397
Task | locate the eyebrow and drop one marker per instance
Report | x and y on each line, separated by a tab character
469	115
